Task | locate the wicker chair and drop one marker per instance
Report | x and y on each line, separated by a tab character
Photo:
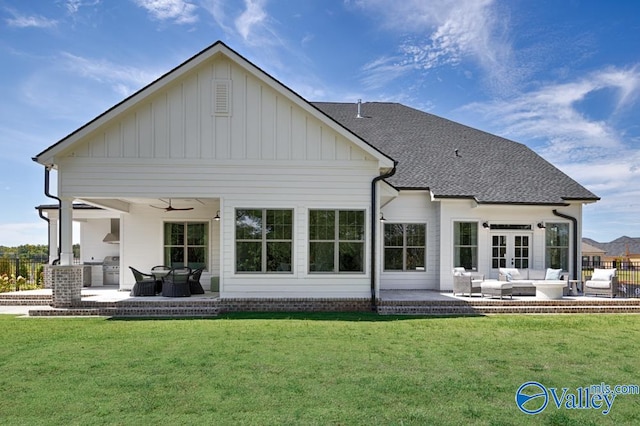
598	284
145	284
194	282
176	283
160	272
466	282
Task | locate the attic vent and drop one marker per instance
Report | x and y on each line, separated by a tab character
222	97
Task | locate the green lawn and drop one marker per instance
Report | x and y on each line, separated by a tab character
325	369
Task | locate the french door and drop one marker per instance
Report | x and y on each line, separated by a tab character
511	250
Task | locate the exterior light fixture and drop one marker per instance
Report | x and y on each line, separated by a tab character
485	225
541	225
382	219
217	217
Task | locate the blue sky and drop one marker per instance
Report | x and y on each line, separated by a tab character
562	77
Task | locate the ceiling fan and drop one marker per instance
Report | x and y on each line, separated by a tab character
170	208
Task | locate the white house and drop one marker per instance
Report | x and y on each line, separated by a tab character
285	197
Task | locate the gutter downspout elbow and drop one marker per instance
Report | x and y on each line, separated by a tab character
374	226
574	262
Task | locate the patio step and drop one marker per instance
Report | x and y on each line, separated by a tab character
508	307
130	312
22	299
140	308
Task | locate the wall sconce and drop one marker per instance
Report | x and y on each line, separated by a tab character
382	219
485	225
217	217
541	225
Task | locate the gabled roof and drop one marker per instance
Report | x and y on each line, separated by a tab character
47	156
620	247
588	248
456	161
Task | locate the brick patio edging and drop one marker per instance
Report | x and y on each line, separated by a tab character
295	305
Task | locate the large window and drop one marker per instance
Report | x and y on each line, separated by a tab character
336	241
557	245
465	245
404	246
186	244
264	240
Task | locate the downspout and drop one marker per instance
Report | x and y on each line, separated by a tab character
47	170
374	226
575	240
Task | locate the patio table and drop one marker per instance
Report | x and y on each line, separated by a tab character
549	289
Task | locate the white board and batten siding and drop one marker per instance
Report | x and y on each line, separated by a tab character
264	151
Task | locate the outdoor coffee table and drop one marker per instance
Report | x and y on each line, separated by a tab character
496	288
549	289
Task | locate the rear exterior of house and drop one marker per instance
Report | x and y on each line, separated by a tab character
281	198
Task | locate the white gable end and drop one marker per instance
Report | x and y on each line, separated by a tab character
218	111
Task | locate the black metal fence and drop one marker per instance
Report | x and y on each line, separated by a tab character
628	274
21	273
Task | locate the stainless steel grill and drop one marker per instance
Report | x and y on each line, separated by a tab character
111	270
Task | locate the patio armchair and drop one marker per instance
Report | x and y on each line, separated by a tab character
465	282
194	282
602	282
176	283
145	284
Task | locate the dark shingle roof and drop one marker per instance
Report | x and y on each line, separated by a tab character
622	246
488	168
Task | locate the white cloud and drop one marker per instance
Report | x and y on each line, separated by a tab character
179	11
444	32
124	79
22	21
552	115
254	15
73	6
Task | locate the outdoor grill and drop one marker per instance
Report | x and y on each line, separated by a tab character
111	270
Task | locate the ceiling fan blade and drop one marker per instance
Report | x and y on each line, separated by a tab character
178	208
170	207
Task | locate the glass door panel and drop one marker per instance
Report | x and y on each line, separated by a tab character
498	251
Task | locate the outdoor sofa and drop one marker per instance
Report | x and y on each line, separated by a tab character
523	279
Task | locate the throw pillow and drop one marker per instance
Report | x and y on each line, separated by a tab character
602	274
457	272
553	274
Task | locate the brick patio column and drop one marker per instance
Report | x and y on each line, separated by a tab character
48	276
66	285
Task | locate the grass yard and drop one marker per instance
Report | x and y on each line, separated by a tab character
300	369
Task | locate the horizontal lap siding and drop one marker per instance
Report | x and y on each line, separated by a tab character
88	178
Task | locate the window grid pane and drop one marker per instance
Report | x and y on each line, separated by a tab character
465	250
336	241
410	241
186	244
264	240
